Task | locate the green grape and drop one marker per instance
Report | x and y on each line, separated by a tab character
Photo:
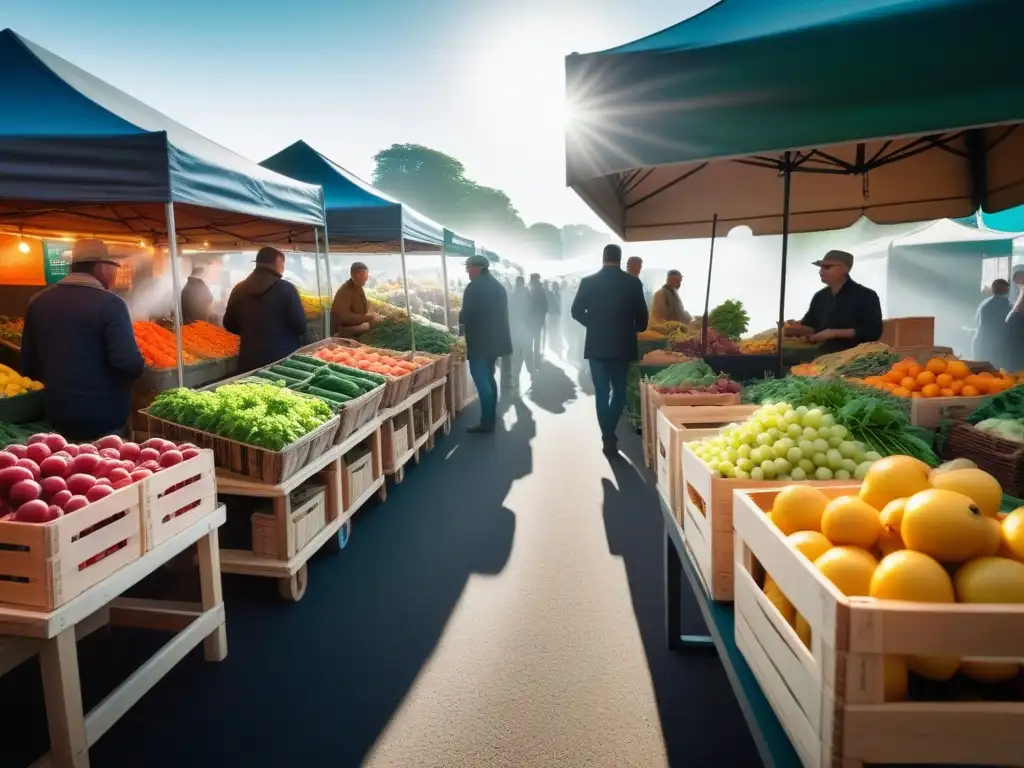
810	434
764	439
872	456
774	434
741	475
770	421
743	451
744	465
812	419
823	473
806	447
840	431
802	411
820	460
793	455
849	466
756	474
841	474
834	442
768	468
778	450
828	420
807	465
782	466
824	433
862	470
794	430
835	459
821	446
798	474
847	449
757	455
731	456
724	467
859	456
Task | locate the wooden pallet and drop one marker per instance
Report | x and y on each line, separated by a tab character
829	697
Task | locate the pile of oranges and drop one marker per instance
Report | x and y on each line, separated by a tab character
939	378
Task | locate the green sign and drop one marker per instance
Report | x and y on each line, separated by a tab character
56	261
456	245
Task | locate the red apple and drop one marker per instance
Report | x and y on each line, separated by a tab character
18	450
170	458
23	492
110	441
75	503
52	486
55	442
85	463
36	511
39	437
129	451
78	484
37	452
31	466
60	498
140	474
98	492
54	466
7	459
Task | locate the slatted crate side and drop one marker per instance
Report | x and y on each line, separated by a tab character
356	478
176	497
830	697
395	441
928	412
45	565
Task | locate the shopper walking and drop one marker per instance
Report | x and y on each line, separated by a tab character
538	312
610	305
485	323
553	327
522	341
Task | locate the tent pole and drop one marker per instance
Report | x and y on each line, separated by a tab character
787	175
405	287
172	244
707	290
444	281
319	292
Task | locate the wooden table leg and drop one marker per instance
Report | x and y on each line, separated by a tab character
58	658
215	646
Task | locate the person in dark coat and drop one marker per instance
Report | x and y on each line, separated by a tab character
990	325
79	343
610	305
484	318
536	318
266	312
196	298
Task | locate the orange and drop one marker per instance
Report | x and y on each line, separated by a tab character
901	392
936	365
957	369
986	375
930	390
924	378
914	371
894	376
943	380
957	386
944	392
916	395
888	386
909	383
901	366
969	391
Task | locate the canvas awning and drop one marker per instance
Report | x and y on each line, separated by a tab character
79	157
457	245
900	110
359	218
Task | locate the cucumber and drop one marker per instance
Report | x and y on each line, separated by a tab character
269	377
338	384
316	362
363	385
290	375
344	370
334	398
298	365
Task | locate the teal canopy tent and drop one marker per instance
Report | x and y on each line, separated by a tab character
801	116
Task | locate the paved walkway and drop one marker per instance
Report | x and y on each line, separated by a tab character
503	608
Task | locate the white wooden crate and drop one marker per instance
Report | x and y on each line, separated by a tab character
174	498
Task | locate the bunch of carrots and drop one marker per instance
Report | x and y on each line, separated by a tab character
208	340
369	359
158	346
939	378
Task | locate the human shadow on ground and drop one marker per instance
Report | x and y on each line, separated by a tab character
700	718
313	683
551	388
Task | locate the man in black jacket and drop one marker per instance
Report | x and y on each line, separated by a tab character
610	305
266	312
484	318
196	298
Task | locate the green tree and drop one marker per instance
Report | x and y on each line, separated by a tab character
545	240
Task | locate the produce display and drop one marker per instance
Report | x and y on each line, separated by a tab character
13	383
207	340
314	305
334	384
860	362
11	329
48	477
729	319
370	359
19	433
939	377
394	334
779	442
770	345
159	346
264	415
692	377
915	534
877	420
718	345
1002	415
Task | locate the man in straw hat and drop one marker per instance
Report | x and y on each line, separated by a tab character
79	343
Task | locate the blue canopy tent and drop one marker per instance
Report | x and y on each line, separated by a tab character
79	156
361	219
801	115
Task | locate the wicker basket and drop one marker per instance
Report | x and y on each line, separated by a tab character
356	413
1001	458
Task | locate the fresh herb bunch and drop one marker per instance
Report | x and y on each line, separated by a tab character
394	334
730	319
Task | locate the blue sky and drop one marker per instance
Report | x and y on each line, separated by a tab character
481	80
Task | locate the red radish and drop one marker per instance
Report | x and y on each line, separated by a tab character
148	454
103	481
88	448
110	453
55	442
170	458
55	511
71	450
183	446
75	503
36	511
128	466
189	453
140	474
129	451
98	492
7	459
80	483
54	466
118	473
18	450
31	466
52	486
122	483
24	492
154	442
60	498
85	463
39	437
37	452
12	475
152	466
110	441
104	467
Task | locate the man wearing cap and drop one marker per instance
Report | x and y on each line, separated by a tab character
666	306
79	343
266	312
844	313
350	310
484	319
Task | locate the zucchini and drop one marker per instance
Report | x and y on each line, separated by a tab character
298	365
316	362
344	370
334	398
338	384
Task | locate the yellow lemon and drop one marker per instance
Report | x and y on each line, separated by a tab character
849	521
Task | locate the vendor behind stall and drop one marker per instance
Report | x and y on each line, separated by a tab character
350	311
79	342
844	313
196	298
266	312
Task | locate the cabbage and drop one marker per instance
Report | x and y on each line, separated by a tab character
1009	429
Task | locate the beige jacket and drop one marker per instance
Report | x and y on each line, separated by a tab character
666	306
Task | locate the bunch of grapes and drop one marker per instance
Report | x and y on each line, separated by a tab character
780	442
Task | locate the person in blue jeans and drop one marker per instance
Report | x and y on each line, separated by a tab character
484	319
610	306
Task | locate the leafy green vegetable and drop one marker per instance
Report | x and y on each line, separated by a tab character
394	334
691	372
729	319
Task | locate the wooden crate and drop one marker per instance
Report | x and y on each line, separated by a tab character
396	440
707	520
676	424
829	697
176	497
438	407
308	518
45	565
929	412
651	401
358	476
908	332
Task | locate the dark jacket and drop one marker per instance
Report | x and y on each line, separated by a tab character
855	306
610	305
538	307
266	312
79	343
196	301
990	330
484	316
